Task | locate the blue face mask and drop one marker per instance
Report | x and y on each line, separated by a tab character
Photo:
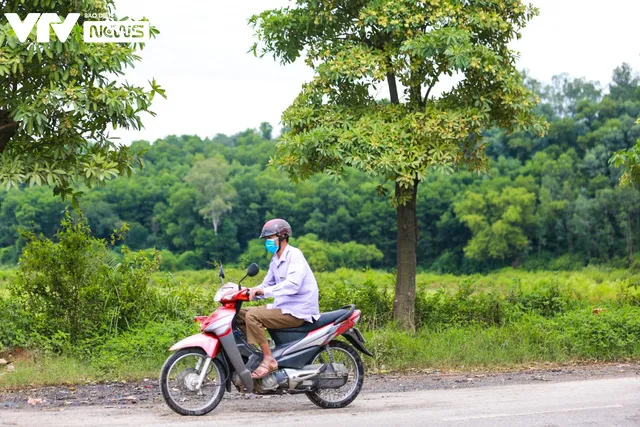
271	245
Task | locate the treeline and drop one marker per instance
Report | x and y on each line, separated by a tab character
550	202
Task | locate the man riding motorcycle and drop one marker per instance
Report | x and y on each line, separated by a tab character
293	286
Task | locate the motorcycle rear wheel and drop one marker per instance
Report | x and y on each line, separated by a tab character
179	375
343	396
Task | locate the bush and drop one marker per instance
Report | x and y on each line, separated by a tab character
168	261
464	307
9	255
72	287
14	324
566	262
446	263
188	261
375	303
149	343
546	299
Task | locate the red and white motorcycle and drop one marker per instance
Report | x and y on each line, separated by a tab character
310	358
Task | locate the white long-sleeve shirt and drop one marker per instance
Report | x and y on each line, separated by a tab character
292	284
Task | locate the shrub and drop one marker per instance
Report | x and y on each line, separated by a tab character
72	287
446	263
465	306
149	343
566	262
13	324
9	255
375	303
168	261
546	299
188	261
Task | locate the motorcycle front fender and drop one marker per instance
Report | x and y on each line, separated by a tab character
209	343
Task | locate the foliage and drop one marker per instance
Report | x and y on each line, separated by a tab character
336	122
576	336
214	198
72	286
629	160
508	318
498	222
60	99
581	216
14	324
148	343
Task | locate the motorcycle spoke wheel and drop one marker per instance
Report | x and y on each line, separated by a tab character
179	382
340	397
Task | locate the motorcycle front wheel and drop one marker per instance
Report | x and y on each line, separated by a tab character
179	382
344	354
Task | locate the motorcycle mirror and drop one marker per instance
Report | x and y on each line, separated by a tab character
221	275
253	270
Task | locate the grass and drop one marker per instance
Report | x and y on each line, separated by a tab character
576	336
594	284
458	333
33	371
44	370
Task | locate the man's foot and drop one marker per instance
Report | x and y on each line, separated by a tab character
265	368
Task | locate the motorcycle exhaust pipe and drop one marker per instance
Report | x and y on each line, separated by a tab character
309	372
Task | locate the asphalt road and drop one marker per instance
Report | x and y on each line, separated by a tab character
601	402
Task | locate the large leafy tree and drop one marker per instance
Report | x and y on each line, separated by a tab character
357	46
498	221
58	101
629	160
215	194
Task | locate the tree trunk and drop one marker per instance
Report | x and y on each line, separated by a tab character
214	221
393	88
405	297
7	128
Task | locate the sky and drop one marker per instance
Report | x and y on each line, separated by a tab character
215	86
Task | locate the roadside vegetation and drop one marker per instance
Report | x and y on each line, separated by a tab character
126	313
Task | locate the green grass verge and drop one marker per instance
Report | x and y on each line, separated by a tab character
595	284
574	336
571	337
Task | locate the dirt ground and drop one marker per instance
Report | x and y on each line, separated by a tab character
147	392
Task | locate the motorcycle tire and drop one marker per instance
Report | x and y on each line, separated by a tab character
164	384
316	395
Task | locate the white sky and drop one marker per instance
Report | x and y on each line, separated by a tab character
214	86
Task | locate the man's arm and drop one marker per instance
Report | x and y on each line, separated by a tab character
269	280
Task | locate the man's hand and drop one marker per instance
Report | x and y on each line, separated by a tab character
254	292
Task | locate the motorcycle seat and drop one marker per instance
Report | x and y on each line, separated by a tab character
324	320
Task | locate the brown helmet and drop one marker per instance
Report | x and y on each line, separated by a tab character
278	227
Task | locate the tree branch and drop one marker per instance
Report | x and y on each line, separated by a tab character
433	83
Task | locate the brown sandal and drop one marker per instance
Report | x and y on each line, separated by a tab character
266	370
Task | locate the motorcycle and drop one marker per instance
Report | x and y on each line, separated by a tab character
310	359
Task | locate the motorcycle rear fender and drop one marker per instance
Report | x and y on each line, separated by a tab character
355	338
209	343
